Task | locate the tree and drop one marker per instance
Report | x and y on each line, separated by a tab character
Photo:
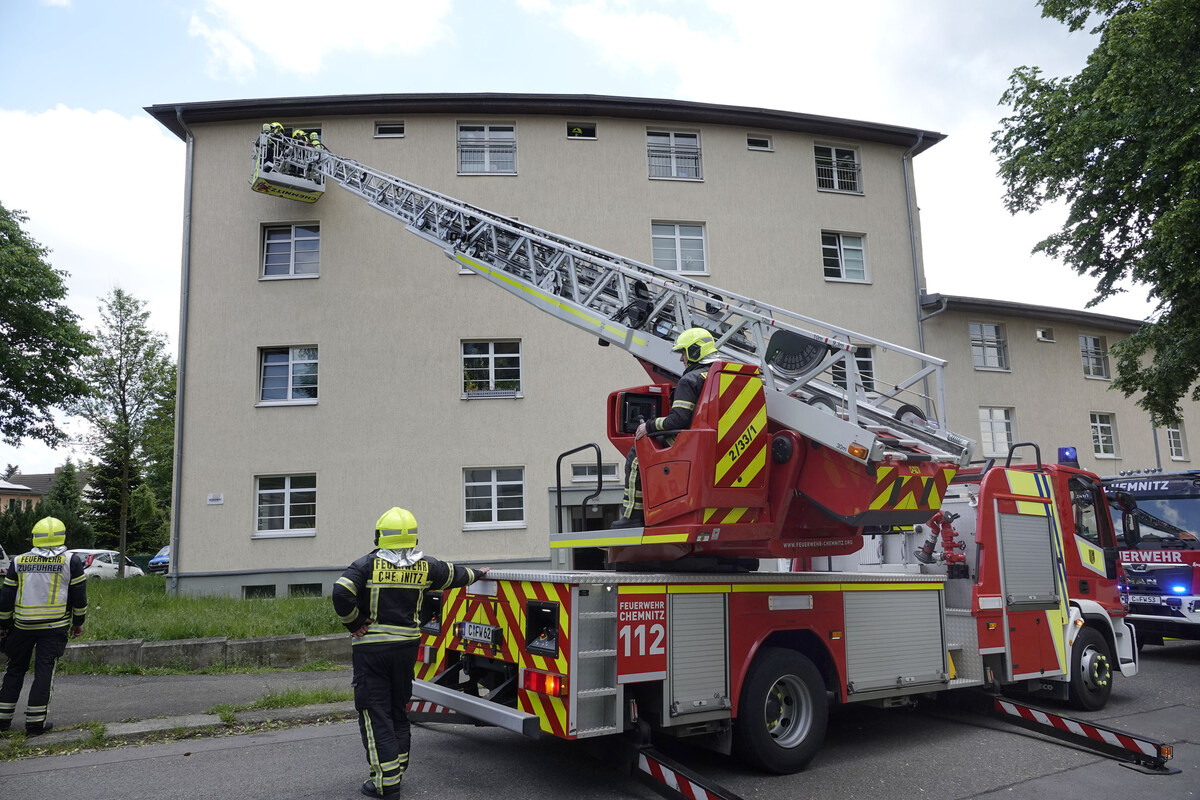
41	342
66	491
129	372
1121	144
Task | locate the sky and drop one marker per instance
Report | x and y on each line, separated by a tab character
102	182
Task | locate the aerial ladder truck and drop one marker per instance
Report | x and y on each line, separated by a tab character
679	636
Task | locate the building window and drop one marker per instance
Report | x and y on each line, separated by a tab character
673	154
494	498
679	246
389	130
1104	436
756	142
1177	442
837	169
866	369
989	346
586	473
1094	351
996	434
581	130
288	374
260	591
305	590
291	251
1045	334
287	505
844	257
491	369
487	149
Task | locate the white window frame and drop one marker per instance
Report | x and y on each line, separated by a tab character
767	144
992	420
841	246
864	359
495	374
586	473
1177	443
677	237
989	342
1093	350
298	233
494	486
389	123
1104	426
838	168
288	504
674	155
491	145
295	359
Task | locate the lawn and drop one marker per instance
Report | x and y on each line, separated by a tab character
140	608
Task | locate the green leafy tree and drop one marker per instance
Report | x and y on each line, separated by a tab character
1120	143
130	375
41	342
66	491
10	471
16	526
159	446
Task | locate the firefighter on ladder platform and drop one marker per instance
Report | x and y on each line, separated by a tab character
699	350
378	598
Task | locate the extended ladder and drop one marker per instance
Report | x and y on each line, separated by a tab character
642	309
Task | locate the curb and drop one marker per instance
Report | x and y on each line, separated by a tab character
277	652
190	723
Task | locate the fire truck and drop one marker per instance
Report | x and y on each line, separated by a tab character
789	459
1162	565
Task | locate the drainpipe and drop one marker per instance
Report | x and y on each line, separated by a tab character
905	162
181	372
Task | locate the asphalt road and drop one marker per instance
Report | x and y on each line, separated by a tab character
868	754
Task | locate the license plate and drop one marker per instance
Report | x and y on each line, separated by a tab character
480	633
1146	599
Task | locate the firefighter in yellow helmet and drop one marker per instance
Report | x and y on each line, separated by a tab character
699	350
44	596
314	139
379	598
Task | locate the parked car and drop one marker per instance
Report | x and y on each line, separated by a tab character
4	561
161	562
103	564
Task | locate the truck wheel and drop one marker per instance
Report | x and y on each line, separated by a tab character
1091	671
781	713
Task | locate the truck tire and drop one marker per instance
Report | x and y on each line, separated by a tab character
782	712
1091	671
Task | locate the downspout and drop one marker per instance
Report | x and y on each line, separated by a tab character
905	162
181	372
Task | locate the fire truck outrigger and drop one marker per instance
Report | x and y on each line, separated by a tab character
677	637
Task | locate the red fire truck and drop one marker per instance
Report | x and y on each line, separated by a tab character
788	458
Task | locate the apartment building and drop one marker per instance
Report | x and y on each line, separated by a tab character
1029	373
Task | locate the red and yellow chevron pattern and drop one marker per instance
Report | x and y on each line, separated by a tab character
741	428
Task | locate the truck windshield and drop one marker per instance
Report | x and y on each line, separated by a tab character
1168	509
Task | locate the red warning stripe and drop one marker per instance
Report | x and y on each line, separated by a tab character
1106	735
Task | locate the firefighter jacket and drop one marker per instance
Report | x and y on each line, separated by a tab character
687	394
388	587
45	589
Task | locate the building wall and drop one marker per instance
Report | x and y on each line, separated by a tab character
1050	397
389	311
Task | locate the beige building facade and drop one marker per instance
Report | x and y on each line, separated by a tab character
333	365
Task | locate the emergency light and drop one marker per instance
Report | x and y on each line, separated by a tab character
1068	457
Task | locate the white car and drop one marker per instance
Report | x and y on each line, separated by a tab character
4	561
103	564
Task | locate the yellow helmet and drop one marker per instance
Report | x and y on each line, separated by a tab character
396	530
48	532
299	134
696	343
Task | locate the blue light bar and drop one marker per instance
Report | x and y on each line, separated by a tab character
1068	457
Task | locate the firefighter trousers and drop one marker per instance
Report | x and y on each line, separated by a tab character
631	503
46	647
383	676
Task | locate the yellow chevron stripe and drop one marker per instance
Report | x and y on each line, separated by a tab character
1025	483
739	404
760	458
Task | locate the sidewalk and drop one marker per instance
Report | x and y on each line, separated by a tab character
138	705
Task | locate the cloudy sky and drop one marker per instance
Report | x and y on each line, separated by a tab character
102	183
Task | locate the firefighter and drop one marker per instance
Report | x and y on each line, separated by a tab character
44	596
314	139
699	350
378	598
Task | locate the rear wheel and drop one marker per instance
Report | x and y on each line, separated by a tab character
782	712
1091	671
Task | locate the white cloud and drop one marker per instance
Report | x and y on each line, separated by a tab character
103	193
227	54
297	36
